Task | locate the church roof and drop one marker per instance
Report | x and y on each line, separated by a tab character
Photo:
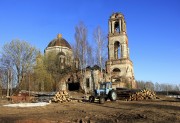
59	41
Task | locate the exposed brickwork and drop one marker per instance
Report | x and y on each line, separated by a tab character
119	66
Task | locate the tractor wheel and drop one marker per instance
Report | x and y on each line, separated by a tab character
112	95
91	99
101	100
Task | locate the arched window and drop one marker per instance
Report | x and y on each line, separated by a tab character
116	70
117	50
62	61
116	27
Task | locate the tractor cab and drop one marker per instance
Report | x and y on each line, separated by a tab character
103	93
105	87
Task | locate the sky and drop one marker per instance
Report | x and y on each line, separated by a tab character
153	29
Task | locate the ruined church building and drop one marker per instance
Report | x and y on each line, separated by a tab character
119	67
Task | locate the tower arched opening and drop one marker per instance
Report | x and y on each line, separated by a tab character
116	73
116	70
116	27
117	50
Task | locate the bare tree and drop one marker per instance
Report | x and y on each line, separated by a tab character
162	87
176	88
81	43
81	48
7	77
1	86
140	84
149	85
90	56
21	56
100	40
157	86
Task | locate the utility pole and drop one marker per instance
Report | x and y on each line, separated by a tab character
8	83
29	82
110	69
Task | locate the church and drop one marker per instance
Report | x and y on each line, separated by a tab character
119	67
62	49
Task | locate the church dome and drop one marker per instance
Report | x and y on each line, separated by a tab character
59	41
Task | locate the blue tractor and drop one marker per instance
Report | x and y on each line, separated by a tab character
104	93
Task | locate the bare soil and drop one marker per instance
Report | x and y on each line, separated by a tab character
164	110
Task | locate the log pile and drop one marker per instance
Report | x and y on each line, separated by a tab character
61	96
124	93
143	95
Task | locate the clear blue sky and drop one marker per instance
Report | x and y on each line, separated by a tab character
153	28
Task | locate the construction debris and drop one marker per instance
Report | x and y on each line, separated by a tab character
22	98
143	95
61	96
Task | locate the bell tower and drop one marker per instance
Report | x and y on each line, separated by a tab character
119	67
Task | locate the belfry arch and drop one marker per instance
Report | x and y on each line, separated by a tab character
117	27
116	70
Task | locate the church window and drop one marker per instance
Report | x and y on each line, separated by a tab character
87	83
116	70
117	50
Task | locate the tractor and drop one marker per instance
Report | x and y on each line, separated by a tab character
104	93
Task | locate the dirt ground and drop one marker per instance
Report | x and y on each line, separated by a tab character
163	110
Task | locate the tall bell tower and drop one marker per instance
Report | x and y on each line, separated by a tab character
119	67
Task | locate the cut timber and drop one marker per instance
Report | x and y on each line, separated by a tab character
143	95
61	96
135	94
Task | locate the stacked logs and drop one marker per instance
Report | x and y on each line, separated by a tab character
143	95
61	96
